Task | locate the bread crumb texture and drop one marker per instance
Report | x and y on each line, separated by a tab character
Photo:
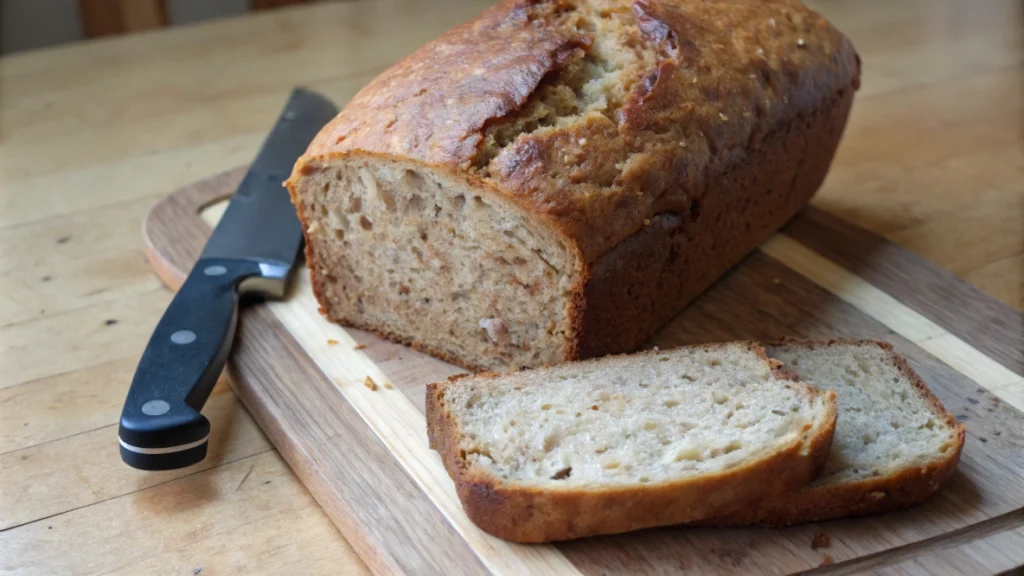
821	539
885	423
629	420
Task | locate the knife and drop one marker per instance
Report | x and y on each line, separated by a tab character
251	251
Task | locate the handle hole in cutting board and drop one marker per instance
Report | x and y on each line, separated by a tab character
212	213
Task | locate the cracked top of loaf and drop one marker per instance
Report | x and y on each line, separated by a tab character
596	114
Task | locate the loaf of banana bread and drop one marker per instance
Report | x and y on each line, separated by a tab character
555	179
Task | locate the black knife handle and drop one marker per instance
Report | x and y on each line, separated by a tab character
161	427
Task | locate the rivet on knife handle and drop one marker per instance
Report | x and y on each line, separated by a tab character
161	427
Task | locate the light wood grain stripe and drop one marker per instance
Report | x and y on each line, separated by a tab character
402	428
931	337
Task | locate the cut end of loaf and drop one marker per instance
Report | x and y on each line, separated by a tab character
423	258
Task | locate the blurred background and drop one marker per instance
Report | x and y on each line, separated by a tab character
27	24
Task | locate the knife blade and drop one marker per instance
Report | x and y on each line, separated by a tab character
251	251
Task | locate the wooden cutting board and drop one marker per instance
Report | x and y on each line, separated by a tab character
345	409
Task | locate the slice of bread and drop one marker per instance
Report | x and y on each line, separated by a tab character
627	442
894	442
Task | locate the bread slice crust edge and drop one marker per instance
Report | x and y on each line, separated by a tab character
533	514
909	486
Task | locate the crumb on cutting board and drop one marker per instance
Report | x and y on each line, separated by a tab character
370	384
826	561
821	539
359	346
389	386
332	342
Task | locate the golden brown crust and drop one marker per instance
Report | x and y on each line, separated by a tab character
640	284
535	514
432	105
871	496
713	80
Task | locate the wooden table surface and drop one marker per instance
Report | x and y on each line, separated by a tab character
92	135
